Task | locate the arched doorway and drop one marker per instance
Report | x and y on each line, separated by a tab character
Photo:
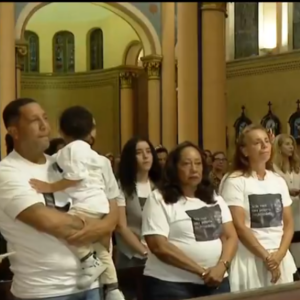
137	20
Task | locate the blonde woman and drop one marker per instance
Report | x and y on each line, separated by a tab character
260	205
286	163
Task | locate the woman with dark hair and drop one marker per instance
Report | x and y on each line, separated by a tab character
260	205
218	169
139	173
189	232
162	154
208	158
55	145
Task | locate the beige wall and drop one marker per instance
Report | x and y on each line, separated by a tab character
254	82
97	91
117	34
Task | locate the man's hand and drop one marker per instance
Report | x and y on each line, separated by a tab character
215	275
89	234
41	186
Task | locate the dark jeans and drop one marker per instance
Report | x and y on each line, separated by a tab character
95	294
156	289
130	285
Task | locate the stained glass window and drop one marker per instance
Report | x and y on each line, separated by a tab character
246	29
31	61
96	49
63	52
296	25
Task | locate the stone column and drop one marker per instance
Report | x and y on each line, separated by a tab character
278	27
126	106
7	61
187	32
214	75
169	105
21	52
152	65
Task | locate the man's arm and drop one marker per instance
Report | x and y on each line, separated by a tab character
21	202
95	228
51	221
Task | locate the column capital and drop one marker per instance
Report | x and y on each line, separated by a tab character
126	79
220	6
152	65
21	48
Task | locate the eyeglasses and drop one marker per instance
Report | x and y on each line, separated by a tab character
221	159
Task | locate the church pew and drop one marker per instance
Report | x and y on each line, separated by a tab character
280	292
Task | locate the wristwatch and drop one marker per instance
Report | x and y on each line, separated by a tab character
226	263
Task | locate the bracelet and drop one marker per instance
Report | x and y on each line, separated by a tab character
202	274
225	263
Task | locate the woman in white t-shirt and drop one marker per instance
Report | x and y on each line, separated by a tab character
286	163
260	205
139	172
189	231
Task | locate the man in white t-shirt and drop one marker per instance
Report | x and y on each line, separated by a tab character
43	264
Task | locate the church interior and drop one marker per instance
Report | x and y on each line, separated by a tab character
168	71
165	71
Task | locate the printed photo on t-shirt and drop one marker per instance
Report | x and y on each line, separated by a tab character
207	223
142	201
49	199
265	210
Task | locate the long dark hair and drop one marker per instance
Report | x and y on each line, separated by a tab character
128	166
170	185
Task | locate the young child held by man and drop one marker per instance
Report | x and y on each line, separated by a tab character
83	182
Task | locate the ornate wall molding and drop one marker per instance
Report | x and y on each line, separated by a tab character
79	80
264	64
126	79
152	65
221	6
21	51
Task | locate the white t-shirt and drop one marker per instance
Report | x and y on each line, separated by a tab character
143	190
263	202
43	266
79	162
191	225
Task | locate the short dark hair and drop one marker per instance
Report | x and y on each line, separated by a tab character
170	185
161	149
216	154
9	143
54	143
11	112
76	122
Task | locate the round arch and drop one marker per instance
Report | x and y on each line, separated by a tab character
131	53
135	18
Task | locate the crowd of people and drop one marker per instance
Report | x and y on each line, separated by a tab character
191	223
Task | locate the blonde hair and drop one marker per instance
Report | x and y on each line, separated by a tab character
277	159
240	162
